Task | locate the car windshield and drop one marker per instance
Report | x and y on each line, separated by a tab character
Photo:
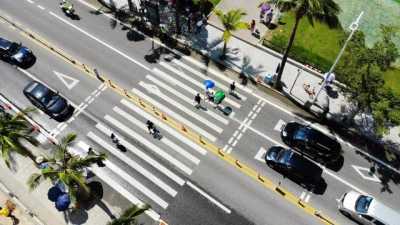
363	203
283	156
52	100
304	133
14	47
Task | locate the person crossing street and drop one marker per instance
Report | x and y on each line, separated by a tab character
197	100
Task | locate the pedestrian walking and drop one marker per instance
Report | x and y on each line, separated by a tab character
253	26
99	162
269	16
210	95
232	88
121	147
150	126
114	138
197	100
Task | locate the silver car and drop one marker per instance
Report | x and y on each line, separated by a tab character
367	210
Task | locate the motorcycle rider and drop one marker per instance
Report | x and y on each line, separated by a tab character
67	6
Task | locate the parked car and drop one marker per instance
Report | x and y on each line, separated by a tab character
311	142
367	210
16	54
294	165
48	101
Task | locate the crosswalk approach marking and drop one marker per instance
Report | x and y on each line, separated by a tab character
165	140
202	76
195	82
184	98
140	187
165	127
182	108
165	109
131	163
216	73
118	187
149	144
145	157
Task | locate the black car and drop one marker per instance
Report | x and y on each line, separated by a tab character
311	142
293	165
48	101
16	54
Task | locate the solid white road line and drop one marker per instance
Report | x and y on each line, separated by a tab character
216	73
101	42
132	163
116	186
165	140
166	109
165	127
183	108
150	145
207	196
140	187
202	76
40	7
30	1
195	82
260	154
184	98
145	157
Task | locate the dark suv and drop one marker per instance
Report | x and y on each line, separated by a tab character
294	165
16	54
311	142
48	101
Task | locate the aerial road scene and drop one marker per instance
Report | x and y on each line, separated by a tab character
200	112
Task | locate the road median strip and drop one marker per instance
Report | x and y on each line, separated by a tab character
151	109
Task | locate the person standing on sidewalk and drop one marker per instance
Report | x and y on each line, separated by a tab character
197	100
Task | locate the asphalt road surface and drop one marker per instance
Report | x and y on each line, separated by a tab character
182	182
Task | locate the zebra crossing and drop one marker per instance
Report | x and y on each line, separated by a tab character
153	170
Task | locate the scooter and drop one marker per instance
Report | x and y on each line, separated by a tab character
69	11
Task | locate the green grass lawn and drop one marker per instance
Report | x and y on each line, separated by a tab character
317	45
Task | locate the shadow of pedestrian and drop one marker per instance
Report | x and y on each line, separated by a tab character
133	35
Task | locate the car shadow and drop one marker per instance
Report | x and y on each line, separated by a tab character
336	165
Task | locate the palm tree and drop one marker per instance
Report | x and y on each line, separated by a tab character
12	130
67	168
325	11
231	22
129	215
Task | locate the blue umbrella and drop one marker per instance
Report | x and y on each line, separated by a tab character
63	202
209	84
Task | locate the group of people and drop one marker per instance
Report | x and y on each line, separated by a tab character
209	94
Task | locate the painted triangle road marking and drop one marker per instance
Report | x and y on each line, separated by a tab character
70	82
364	173
260	154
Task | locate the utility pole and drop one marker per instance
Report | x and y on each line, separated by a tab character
353	27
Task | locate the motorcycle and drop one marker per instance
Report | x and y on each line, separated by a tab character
68	9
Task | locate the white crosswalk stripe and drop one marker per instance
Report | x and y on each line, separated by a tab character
214	72
165	127
184	98
120	189
200	75
183	108
166	109
144	157
165	140
149	144
195	82
128	178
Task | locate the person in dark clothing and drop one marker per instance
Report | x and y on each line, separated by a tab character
150	126
232	88
197	100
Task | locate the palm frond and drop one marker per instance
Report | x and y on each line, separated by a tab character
34	180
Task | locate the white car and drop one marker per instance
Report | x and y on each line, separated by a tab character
367	210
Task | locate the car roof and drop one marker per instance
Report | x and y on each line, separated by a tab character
304	165
316	137
383	213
